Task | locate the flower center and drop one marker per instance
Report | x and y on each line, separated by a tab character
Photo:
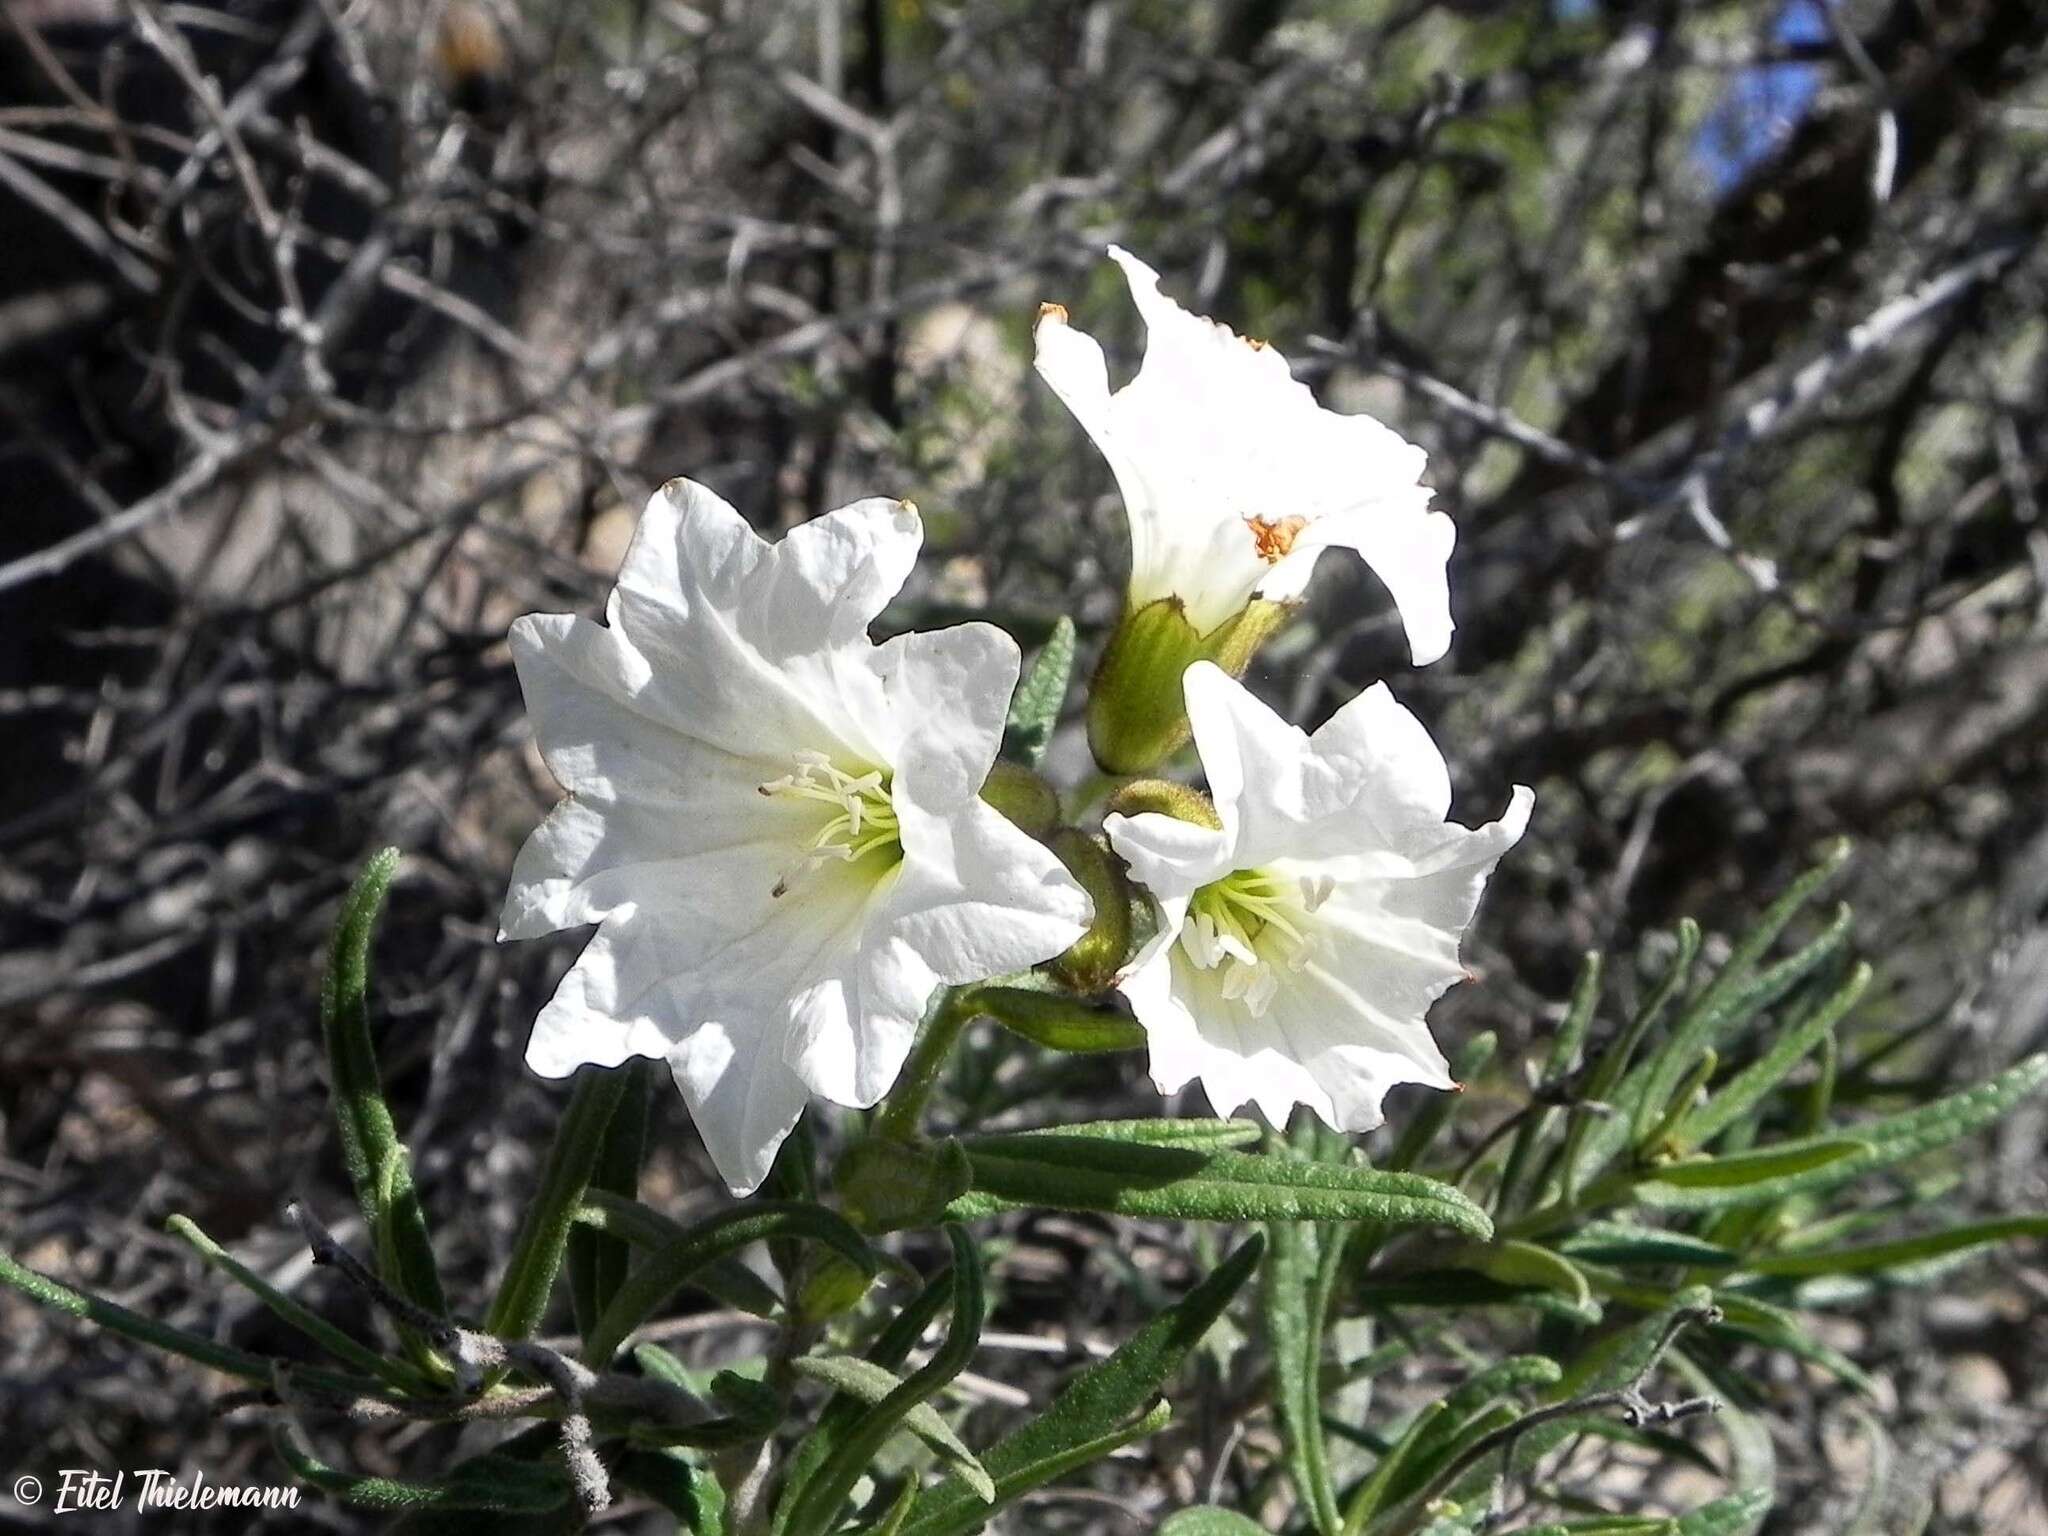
1274	541
1251	924
862	819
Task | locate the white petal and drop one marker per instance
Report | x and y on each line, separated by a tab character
1170	857
1408	548
1072	363
820	586
592	1018
1214	435
1256	763
949	692
754	647
741	1097
977	898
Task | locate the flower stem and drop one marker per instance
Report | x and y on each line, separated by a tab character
901	1112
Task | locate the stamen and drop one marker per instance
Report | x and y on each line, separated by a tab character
1273	538
1251	924
863	820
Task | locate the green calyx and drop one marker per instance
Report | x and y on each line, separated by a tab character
1091	965
1137	717
888	1184
1030	804
1163	797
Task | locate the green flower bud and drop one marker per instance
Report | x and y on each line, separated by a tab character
1031	804
889	1184
1091	965
1137	717
835	1284
1162	797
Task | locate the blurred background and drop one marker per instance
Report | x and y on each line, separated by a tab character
335	335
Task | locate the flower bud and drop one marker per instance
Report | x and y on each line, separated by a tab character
889	1184
835	1284
1091	965
1136	715
1163	797
1031	804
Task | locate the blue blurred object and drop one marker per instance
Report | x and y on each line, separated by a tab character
1763	103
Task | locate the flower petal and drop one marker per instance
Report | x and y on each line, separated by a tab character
1235	477
1409	549
1170	857
593	1018
943	755
976	897
743	1100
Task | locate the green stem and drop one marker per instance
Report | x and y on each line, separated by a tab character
901	1112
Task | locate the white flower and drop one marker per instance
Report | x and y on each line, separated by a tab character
774	821
1235	480
1302	942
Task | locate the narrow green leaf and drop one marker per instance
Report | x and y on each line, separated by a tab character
1564	1057
872	1384
1899	1253
661	1274
1738	1169
486	1483
598	1261
689	1493
1294	1334
115	1318
1107	1405
1735	997
1209	1520
889	1350
1035	707
1190	1184
529	1280
891	1524
395	1374
1749	1087
1624	1243
818	1501
1526	1264
726	1281
1199	1135
1591	1144
1737	1514
1373	1494
370	1148
1892	1139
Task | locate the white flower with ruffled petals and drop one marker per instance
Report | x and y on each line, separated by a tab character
775	822
1302	942
1235	479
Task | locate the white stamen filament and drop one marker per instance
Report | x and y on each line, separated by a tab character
1247	921
864	818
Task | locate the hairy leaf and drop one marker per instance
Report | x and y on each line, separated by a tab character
1107	1405
1190	1184
377	1164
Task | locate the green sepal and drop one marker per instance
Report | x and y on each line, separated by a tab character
1091	965
886	1185
1137	716
1030	804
